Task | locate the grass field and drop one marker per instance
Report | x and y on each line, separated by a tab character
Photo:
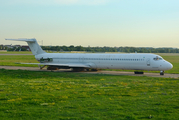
65	95
16	52
58	95
11	60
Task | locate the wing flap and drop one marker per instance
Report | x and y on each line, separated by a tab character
58	64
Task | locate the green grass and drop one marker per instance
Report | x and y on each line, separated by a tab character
16	52
11	60
65	95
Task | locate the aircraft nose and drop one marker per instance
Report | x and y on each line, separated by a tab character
169	66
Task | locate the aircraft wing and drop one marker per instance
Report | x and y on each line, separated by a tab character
58	64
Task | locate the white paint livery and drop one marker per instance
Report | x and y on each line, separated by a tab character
131	61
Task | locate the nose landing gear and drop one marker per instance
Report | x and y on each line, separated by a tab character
161	72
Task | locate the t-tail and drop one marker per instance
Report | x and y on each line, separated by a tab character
34	46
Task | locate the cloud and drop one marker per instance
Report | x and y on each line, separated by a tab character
58	2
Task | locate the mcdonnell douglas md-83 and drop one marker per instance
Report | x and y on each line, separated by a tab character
94	61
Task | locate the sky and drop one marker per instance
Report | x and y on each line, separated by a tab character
114	23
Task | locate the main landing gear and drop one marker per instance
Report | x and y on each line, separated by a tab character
83	70
161	72
77	69
138	72
48	67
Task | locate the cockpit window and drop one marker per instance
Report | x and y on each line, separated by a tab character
158	58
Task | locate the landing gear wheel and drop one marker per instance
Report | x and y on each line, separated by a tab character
94	69
52	68
138	72
87	70
78	69
161	72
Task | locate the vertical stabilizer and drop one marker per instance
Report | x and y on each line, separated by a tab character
34	46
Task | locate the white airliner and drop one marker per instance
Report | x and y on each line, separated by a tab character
94	61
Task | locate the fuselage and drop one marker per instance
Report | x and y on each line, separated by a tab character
86	61
134	61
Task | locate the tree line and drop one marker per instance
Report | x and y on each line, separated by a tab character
111	49
100	49
14	49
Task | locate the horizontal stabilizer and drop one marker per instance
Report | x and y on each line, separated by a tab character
26	40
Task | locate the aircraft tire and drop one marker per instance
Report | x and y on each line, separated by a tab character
161	73
137	72
78	69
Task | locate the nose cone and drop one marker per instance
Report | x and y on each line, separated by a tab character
169	66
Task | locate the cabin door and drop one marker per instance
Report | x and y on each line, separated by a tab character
148	62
